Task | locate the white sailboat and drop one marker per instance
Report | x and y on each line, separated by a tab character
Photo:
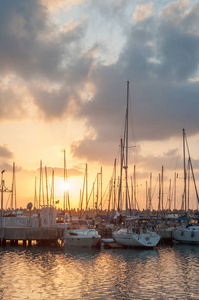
136	234
79	233
133	234
187	234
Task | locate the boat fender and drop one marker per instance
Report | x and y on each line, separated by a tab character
192	234
182	233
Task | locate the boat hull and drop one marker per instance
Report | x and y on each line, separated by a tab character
186	237
80	241
129	239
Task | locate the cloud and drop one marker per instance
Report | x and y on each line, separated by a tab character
143	11
5	152
71	172
159	58
53	6
63	72
36	50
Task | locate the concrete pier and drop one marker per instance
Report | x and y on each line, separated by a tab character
28	234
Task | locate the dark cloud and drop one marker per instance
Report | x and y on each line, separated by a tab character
159	58
43	56
5	152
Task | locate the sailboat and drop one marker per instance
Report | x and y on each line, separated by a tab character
135	233
189	233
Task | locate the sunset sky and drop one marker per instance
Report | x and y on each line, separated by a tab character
64	68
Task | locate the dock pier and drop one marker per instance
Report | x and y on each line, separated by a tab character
29	234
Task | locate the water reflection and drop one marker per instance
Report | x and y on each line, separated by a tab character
81	273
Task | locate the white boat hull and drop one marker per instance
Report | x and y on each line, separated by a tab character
81	241
130	239
186	236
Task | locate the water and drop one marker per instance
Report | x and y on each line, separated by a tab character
60	273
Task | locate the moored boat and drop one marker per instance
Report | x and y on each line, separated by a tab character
188	234
136	234
79	233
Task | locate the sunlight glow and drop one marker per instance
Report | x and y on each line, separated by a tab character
65	186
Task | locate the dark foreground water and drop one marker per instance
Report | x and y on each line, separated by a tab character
60	273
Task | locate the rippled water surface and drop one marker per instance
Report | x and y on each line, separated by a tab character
60	273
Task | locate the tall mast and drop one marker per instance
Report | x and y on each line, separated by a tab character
52	196
64	204
86	187
135	198
159	193
175	191
120	180
162	186
114	185
101	188
46	186
126	140
146	196
13	193
35	197
150	193
185	189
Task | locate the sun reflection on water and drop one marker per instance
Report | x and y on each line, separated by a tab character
60	273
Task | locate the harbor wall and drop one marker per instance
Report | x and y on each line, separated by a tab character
28	233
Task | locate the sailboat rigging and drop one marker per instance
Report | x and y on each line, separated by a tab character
135	232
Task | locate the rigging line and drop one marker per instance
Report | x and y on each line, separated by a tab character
106	195
132	125
192	170
154	188
92	189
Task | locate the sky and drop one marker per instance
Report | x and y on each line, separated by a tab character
63	77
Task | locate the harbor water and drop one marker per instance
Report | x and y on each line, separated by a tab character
167	272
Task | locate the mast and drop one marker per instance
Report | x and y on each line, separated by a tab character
114	183
35	197
150	192
189	163
146	196
126	140
132	202
64	200
52	196
13	192
86	187
170	195
41	185
135	198
46	185
101	188
162	187
159	194
120	182
93	200
175	191
185	175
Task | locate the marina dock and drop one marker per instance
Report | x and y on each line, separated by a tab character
15	234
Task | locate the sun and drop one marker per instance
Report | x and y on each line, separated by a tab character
65	186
